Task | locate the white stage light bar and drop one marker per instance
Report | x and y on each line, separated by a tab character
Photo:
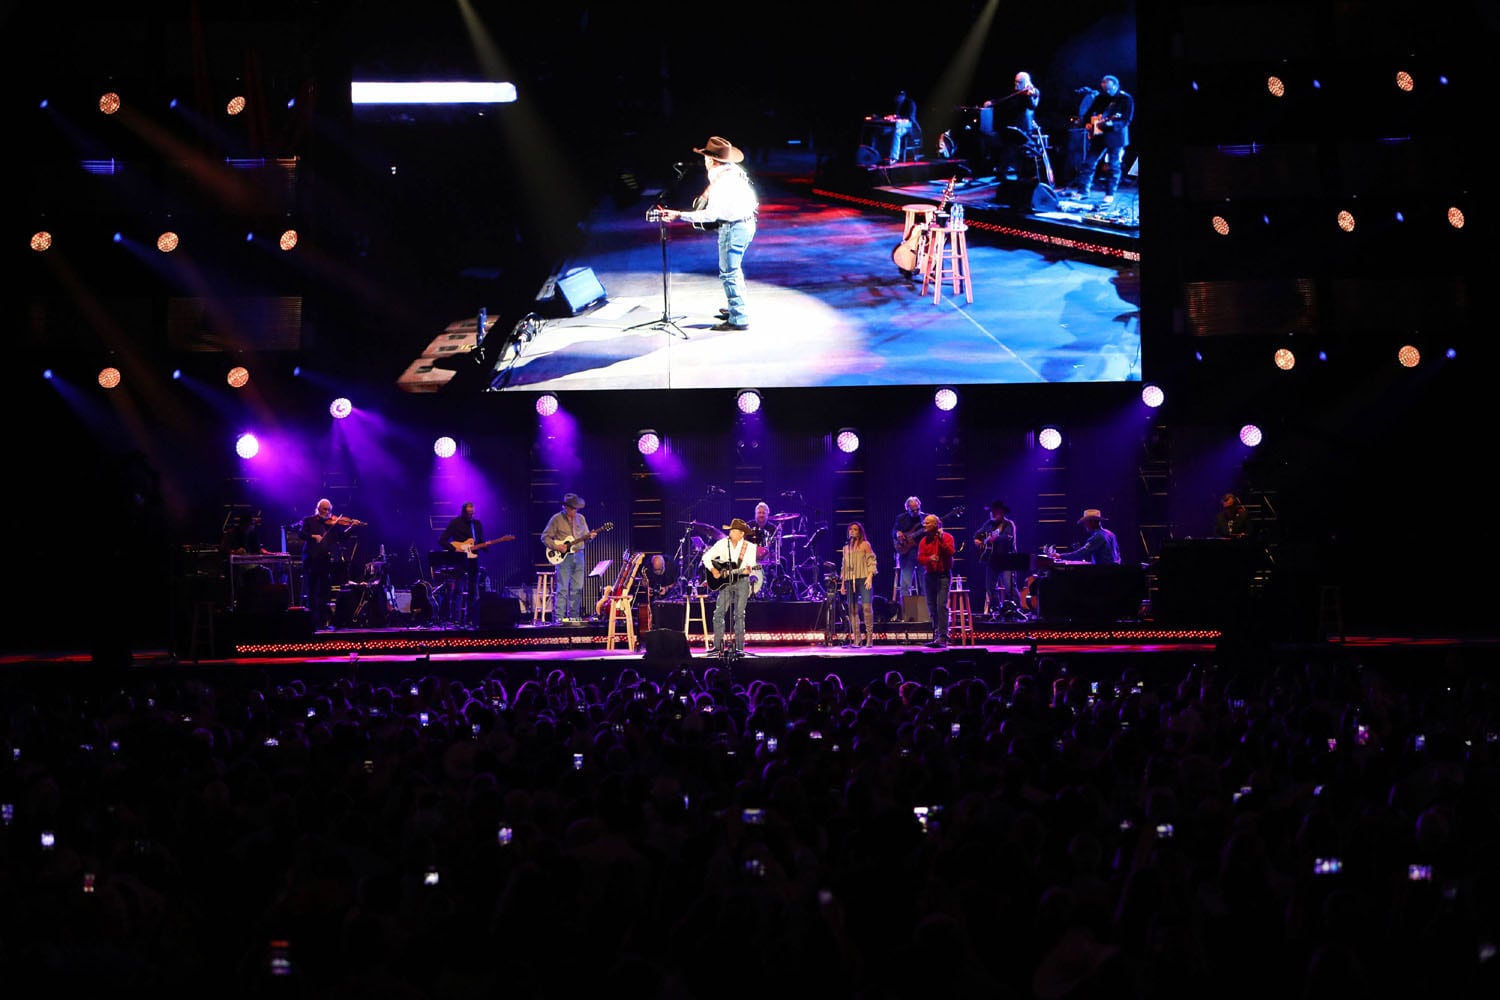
431	93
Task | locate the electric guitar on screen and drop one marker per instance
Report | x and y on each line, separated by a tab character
472	547
555	556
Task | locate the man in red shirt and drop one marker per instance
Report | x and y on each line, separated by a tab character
935	555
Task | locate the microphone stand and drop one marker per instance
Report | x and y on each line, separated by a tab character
666	321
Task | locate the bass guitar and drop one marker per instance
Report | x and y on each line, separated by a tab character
904	540
472	547
555	556
907	251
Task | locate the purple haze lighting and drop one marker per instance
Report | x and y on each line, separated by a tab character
546	404
647	442
945	399
340	408
848	440
444	447
247	446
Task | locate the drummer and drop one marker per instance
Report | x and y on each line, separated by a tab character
762	532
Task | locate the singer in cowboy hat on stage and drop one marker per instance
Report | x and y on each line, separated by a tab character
728	204
732	556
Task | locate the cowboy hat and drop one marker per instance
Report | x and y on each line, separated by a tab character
719	148
1000	505
1092	512
737	523
573	500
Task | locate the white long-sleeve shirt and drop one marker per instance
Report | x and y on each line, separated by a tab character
729	197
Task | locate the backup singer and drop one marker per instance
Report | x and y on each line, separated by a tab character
732	556
729	204
857	574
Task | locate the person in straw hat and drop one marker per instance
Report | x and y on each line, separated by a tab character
728	204
565	534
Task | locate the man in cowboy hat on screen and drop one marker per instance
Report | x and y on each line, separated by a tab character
728	204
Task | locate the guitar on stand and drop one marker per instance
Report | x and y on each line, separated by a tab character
908	251
555	556
1043	162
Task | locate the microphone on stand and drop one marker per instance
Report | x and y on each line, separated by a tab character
717	489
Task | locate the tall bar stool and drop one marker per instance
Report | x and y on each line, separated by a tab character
621	609
914	237
946	257
542	609
960	613
695	609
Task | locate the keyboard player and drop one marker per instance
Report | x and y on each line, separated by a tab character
1100	548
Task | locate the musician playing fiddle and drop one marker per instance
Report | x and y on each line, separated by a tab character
321	534
1014	117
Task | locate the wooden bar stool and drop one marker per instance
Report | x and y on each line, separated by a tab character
946	257
621	609
696	601
542	609
908	254
960	613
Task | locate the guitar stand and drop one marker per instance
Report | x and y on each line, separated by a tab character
666	321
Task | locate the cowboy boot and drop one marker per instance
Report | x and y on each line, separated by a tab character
869	633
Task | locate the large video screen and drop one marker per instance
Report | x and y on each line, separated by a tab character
965	210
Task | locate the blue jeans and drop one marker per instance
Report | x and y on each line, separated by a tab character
907	571
734	240
1000	585
860	596
570	575
937	604
736	592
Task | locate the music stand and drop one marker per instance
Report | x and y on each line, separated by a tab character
666	320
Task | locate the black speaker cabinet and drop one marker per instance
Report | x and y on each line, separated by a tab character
1027	195
498	612
666	645
579	289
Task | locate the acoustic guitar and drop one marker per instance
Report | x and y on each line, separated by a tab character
727	574
904	540
905	253
659	214
555	556
472	547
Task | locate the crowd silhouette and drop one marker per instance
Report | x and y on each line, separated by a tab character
1314	827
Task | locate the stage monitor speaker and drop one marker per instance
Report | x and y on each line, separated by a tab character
579	289
1044	199
666	645
1027	196
867	156
497	611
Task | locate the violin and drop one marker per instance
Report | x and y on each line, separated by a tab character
342	521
